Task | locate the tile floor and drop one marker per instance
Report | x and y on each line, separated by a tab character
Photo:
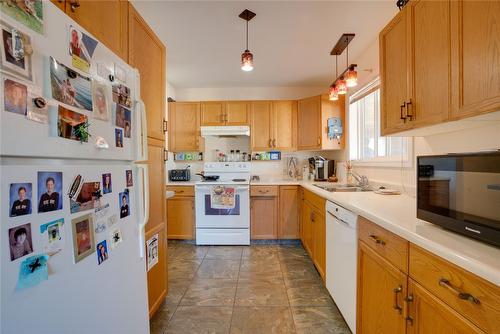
254	289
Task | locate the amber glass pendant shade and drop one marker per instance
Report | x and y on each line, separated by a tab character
247	61
351	78
333	94
341	86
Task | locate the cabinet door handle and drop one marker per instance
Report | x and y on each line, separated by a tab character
179	191
403	117
274	142
408	114
462	295
74	5
377	240
270	142
311	216
406	314
165	155
264	191
319	141
165	125
396	305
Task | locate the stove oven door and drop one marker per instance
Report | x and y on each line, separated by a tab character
209	217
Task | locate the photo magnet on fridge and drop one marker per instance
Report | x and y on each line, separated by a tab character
101	99
70	124
49	190
27	12
124	204
119	138
20	241
121	95
53	235
116	238
15	52
69	86
20	199
15	97
83	237
128	177
106	183
124	119
87	198
102	252
81	48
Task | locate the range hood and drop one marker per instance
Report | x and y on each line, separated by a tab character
223	131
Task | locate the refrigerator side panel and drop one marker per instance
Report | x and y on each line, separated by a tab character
97	294
21	137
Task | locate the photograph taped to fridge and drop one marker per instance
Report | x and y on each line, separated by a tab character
49	190
83	237
81	48
119	138
20	241
15	97
70	123
53	235
16	52
101	97
102	251
121	95
87	197
20	199
27	12
69	86
124	204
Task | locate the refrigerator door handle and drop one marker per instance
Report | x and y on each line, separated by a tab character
144	206
142	142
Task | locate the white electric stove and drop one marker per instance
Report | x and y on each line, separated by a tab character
224	226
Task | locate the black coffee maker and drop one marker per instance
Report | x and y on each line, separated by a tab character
322	168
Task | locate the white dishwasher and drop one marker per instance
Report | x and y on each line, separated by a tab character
341	259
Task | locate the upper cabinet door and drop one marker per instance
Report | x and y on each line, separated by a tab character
393	48
261	125
284	125
309	123
429	57
184	126
237	113
476	57
147	54
213	113
106	20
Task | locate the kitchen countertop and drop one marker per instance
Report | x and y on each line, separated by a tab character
397	213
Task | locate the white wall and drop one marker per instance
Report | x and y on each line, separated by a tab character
247	93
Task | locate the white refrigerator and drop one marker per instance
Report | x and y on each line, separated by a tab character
73	260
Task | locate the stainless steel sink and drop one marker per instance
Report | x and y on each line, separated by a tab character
340	188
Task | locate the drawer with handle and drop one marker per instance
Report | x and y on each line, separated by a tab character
268	191
391	247
183	191
468	294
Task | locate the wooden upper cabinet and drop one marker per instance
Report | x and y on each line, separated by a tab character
261	125
184	126
288	226
431	315
430	62
237	113
106	20
284	125
309	123
213	113
147	53
380	293
476	57
393	60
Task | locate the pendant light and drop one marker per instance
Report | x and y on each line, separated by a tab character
351	76
333	93
247	56
341	86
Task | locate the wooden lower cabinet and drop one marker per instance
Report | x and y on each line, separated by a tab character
381	289
319	241
307	231
427	314
288	225
157	275
264	217
181	218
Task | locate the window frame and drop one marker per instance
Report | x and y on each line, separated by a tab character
405	160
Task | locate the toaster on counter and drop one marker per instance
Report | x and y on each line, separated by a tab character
179	175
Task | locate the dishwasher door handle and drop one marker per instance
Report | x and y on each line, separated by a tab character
335	218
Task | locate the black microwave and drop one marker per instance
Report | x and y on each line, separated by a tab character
461	192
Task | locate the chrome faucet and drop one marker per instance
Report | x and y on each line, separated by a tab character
363	182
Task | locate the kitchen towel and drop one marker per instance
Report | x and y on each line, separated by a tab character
222	197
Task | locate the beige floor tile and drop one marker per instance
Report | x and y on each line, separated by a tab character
219	269
309	295
200	320
224	252
176	289
183	268
189	252
210	292
319	320
159	322
262	320
261	293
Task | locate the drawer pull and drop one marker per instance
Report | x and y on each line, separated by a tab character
264	191
462	295
396	305
179	191
377	239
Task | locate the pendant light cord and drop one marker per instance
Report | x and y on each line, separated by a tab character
247	32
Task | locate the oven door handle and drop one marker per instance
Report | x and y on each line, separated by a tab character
237	188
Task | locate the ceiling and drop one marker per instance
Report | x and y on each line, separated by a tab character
290	40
